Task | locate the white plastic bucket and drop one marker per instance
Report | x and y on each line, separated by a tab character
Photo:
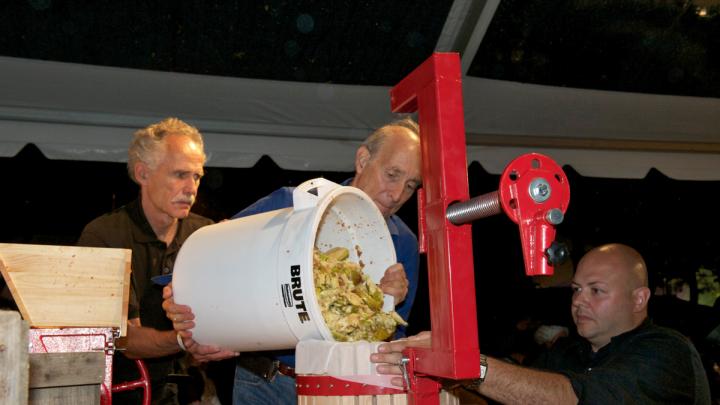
249	281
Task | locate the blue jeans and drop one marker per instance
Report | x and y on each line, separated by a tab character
250	389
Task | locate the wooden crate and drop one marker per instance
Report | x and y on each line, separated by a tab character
65	378
45	378
13	358
68	286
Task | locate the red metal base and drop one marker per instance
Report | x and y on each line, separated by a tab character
315	385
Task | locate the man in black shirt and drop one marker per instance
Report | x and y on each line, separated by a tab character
166	160
621	358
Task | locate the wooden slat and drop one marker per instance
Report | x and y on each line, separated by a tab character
347	400
63	369
13	359
399	399
75	395
365	400
384	400
68	286
448	398
5	271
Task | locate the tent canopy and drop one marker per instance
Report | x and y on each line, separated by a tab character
88	112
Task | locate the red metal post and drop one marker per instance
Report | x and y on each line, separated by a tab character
434	90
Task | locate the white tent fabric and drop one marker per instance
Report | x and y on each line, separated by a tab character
84	112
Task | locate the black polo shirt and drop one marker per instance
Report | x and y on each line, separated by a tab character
127	228
648	365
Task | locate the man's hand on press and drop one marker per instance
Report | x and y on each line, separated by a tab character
389	354
182	318
394	282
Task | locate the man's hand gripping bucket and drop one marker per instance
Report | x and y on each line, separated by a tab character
249	280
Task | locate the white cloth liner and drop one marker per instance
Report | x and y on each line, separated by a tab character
348	361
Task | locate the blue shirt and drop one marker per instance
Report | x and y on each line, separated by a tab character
404	240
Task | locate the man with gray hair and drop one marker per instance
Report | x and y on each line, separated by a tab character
388	170
166	160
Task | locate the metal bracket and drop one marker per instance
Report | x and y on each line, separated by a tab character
403	367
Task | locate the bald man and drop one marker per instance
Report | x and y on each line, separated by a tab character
621	357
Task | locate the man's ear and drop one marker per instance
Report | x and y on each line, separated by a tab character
141	171
362	157
641	296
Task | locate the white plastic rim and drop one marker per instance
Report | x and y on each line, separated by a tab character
249	280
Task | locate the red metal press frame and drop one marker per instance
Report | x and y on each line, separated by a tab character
533	192
434	90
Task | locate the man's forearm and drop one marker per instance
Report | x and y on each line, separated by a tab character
143	342
510	384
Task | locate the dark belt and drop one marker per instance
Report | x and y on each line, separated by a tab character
285	370
264	367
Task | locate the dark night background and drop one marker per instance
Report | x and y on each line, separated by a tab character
649	46
659	47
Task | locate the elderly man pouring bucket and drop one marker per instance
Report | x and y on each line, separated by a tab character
387	169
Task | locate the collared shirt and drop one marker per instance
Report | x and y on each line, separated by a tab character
128	228
404	241
647	365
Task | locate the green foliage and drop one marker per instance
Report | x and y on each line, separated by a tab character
708	286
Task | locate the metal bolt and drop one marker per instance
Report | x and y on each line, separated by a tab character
539	190
554	216
403	367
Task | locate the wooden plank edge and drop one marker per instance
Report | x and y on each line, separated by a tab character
5	270
126	293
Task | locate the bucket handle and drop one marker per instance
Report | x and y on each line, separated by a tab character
309	193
